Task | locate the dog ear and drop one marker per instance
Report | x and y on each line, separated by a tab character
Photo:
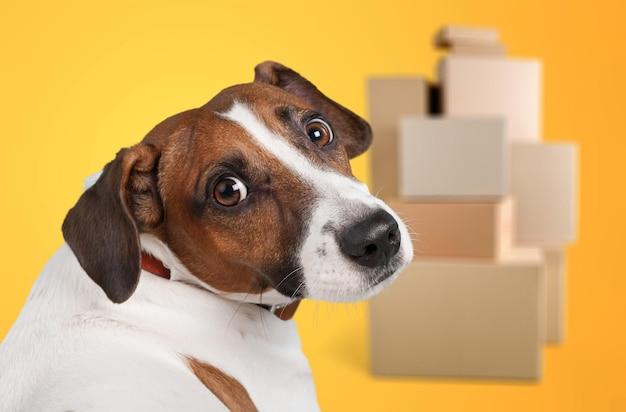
354	132
102	229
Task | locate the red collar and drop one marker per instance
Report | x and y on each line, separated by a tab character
156	267
284	312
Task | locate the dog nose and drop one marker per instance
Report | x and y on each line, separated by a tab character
372	242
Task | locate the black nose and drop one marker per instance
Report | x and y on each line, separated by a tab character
372	242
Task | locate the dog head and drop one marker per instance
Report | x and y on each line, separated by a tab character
252	193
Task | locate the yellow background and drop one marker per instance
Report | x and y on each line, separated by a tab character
80	79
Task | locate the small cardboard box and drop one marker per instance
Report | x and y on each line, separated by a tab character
483	50
450	36
453	158
461	320
458	230
484	86
556	286
389	99
544	179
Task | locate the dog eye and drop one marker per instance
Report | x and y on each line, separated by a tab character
319	132
230	191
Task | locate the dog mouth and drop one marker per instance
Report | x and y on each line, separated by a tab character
351	286
386	274
379	278
369	285
301	284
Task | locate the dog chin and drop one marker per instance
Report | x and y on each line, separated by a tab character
349	291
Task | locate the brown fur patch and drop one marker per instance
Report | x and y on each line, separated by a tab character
225	387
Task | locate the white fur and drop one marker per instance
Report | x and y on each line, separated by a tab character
331	276
72	349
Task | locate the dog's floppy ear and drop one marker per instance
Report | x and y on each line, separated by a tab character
102	229
354	132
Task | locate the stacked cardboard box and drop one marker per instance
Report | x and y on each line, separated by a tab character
492	207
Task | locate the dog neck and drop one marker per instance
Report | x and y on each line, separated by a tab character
153	265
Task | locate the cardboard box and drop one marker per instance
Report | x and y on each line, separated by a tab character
472	36
460	320
544	179
390	98
556	307
493	50
458	230
483	86
453	158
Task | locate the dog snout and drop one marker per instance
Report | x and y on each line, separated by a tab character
372	242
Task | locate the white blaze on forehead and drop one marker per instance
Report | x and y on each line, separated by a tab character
285	152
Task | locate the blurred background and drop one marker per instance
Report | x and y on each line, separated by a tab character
80	80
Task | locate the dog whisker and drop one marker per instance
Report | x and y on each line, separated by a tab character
262	311
294	294
293	272
241	302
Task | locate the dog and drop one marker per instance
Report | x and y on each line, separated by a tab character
186	259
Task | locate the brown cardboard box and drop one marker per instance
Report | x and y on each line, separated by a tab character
473	36
556	295
493	86
492	50
389	98
544	187
459	319
453	158
458	230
